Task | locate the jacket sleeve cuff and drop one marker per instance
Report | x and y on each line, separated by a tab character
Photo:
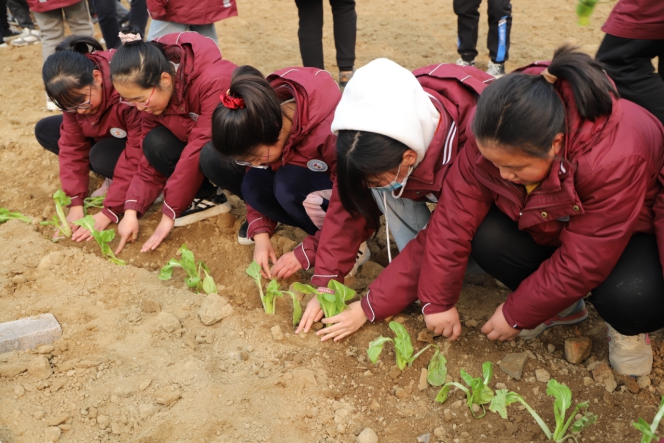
261	225
368	309
168	211
510	318
76	201
430	308
306	257
108	213
134	206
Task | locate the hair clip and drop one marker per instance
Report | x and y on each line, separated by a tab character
231	102
129	37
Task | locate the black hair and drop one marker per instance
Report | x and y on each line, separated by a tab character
237	132
68	70
140	63
360	155
525	112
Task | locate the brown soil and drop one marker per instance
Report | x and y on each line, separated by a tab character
233	382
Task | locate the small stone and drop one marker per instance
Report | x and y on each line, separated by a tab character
374	405
103	421
167	397
457	404
610	385
146	411
423	384
551	348
149	306
577	349
394	372
448	415
57	420
472	323
317	326
28	333
276	333
38	415
19	391
53	433
587	381
92	412
401	394
630	383
440	432
367	436
214	308
643	381
244	355
512	364
425	336
45	349
426	438
603	375
608	399
542	375
501	386
125	388
168	322
40	367
476	408
65	427
144	385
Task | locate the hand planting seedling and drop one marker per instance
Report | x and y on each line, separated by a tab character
402	346
272	292
60	221
479	392
331	303
102	238
93	202
648	431
563	401
193	270
6	215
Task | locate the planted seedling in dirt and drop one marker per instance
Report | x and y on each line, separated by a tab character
5	215
60	221
402	346
648	431
93	202
331	304
478	392
562	402
437	371
193	270
272	292
103	238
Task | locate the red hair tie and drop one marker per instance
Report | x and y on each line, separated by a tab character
231	102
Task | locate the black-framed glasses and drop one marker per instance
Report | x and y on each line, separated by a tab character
85	105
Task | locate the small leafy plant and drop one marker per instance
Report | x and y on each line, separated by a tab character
103	238
478	391
5	215
402	346
648	431
60	220
272	292
562	402
331	304
93	202
193	270
437	371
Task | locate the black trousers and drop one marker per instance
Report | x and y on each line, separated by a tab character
163	150
222	171
21	12
629	63
104	154
631	299
108	20
500	26
310	32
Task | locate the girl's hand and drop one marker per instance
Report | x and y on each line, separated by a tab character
312	314
264	253
101	222
286	266
75	213
344	324
128	229
446	323
164	228
497	328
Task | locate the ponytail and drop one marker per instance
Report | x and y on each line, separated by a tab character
69	70
250	115
140	63
525	112
362	155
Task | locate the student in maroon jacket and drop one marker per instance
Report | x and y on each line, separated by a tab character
278	128
95	132
392	152
175	82
634	37
171	16
555	196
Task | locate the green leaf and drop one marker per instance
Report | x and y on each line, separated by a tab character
437	371
343	292
209	286
487	371
330	298
376	347
442	395
166	272
306	289
584	422
647	434
297	308
513	396
62	201
5	215
401	342
254	270
188	262
271	293
192	282
93	202
106	236
499	403
466	377
562	402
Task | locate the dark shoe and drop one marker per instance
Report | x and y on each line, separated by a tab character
496	69
242	235
344	78
202	208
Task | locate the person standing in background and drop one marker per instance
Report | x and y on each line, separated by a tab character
8	32
310	34
634	37
110	25
498	39
21	13
171	16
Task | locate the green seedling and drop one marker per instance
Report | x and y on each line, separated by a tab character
437	371
93	202
402	346
648	431
584	10
297	308
193	270
331	304
478	391
103	238
272	292
562	402
6	215
60	221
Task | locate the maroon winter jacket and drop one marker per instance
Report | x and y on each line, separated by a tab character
49	5
200	12
453	91
598	195
200	79
316	95
111	120
636	19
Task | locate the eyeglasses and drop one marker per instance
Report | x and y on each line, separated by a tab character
251	165
84	105
133	102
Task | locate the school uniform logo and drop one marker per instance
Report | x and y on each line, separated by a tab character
317	165
118	133
193	116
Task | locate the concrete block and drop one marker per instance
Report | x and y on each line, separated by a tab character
29	333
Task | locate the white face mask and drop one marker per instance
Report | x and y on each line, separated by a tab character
394	184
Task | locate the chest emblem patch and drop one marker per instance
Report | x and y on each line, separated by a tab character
317	165
118	133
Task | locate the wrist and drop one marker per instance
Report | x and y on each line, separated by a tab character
262	237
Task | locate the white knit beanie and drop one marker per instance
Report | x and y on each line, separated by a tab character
385	98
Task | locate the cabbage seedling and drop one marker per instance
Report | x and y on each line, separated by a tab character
193	270
562	402
331	304
648	431
478	392
437	371
272	292
60	221
102	237
5	215
93	202
402	346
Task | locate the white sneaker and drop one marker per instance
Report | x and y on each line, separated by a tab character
4	45
462	62
202	208
496	69
629	355
363	255
28	37
103	189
